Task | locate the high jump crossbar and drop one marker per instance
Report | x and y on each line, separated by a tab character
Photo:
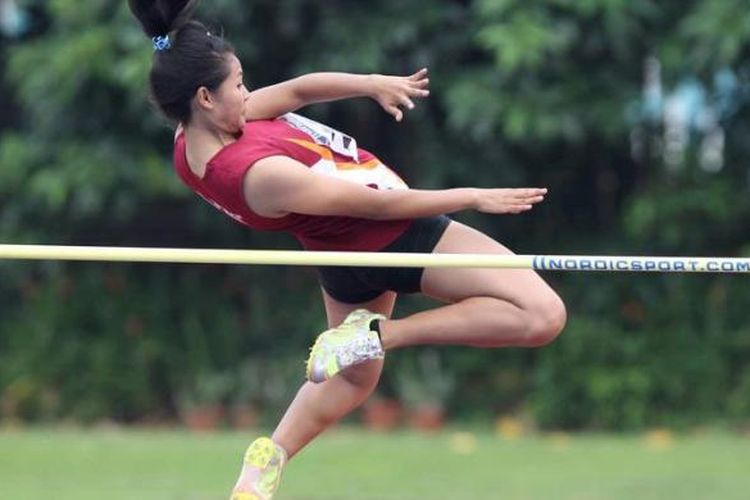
377	259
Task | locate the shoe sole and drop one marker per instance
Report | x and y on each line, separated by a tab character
260	452
245	496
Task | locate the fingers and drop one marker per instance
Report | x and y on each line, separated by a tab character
398	93
424	82
532	199
529	195
517	209
404	99
513	201
396	112
419	75
417	92
529	192
418	84
394	108
525	199
406	102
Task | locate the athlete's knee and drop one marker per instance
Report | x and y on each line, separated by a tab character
547	319
540	321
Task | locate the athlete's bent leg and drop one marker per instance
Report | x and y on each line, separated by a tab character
318	406
487	307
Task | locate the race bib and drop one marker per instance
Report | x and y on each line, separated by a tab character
324	135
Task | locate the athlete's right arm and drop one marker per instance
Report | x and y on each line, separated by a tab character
278	185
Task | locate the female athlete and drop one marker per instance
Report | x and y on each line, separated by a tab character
251	157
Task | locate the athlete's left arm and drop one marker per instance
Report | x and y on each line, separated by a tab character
391	92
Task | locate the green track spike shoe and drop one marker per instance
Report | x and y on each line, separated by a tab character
349	344
261	472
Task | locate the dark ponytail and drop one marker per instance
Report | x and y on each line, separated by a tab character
159	18
195	58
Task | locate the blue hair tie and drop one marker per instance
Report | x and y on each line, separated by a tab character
161	43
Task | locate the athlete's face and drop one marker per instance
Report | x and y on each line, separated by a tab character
231	97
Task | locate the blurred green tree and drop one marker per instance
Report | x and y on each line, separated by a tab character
633	113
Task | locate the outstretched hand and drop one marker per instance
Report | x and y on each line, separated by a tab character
396	92
508	201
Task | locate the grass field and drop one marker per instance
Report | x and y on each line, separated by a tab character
353	464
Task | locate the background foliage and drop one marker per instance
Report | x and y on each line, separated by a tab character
634	114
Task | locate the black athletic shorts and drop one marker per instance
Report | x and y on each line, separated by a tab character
354	285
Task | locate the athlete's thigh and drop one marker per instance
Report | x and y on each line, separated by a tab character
337	311
519	286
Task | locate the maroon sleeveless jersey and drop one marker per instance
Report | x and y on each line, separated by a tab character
222	186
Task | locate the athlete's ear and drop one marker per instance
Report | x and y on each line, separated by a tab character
203	98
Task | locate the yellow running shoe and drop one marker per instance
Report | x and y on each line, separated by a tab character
349	344
261	472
